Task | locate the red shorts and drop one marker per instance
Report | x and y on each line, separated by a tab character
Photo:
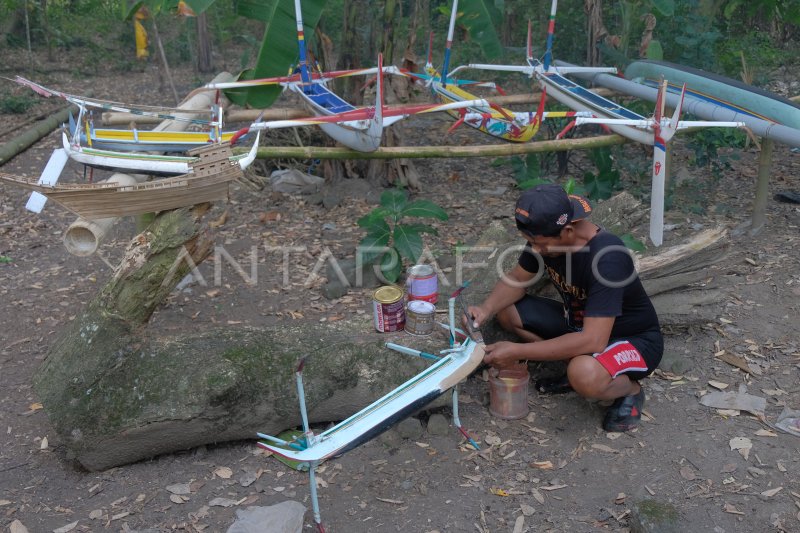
621	357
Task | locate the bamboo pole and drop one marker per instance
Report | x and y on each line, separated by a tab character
113	118
23	141
425	152
762	187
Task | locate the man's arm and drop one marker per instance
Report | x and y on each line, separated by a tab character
506	292
592	339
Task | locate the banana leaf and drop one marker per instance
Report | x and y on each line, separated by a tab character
279	49
481	17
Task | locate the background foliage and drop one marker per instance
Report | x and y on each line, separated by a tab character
709	34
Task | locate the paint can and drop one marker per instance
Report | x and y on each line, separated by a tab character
388	309
419	317
422	283
508	391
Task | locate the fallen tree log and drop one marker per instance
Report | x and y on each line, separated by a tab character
24	140
114	395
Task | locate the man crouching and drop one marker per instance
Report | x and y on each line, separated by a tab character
605	326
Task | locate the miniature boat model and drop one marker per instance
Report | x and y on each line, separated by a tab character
210	172
135	140
569	93
492	120
83	133
453	366
390	409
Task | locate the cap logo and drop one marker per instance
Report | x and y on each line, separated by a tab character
584	204
562	219
522	212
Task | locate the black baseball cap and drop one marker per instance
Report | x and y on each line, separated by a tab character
545	209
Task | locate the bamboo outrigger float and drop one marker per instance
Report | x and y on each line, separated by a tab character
451	367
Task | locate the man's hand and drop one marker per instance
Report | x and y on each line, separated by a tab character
502	354
479	315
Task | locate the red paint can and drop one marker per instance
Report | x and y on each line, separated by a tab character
388	309
422	284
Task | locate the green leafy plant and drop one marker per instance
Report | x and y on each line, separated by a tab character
16	104
706	144
527	172
601	185
632	243
389	238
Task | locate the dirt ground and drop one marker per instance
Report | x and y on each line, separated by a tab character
555	470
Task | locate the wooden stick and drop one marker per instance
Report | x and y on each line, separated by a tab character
113	118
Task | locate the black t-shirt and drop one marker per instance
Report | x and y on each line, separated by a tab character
598	281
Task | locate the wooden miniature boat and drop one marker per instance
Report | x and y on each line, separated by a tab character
569	93
492	120
210	172
83	133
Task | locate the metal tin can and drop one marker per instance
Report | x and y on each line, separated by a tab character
388	310
420	317
422	284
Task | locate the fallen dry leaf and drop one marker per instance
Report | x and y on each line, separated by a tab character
498	492
766	433
687	473
620	499
67	528
519	524
221	502
224	472
544	465
175	498
729	508
718	384
604	448
43	445
179	488
17	527
94	515
527	510
537	496
771	492
741	444
388	500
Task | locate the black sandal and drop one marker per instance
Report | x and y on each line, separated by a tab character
557	385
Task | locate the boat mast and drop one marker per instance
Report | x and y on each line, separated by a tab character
449	43
301	42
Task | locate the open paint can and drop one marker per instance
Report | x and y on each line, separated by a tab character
508	391
420	317
388	309
422	283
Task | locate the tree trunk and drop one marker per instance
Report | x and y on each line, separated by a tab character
115	395
205	61
352	45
